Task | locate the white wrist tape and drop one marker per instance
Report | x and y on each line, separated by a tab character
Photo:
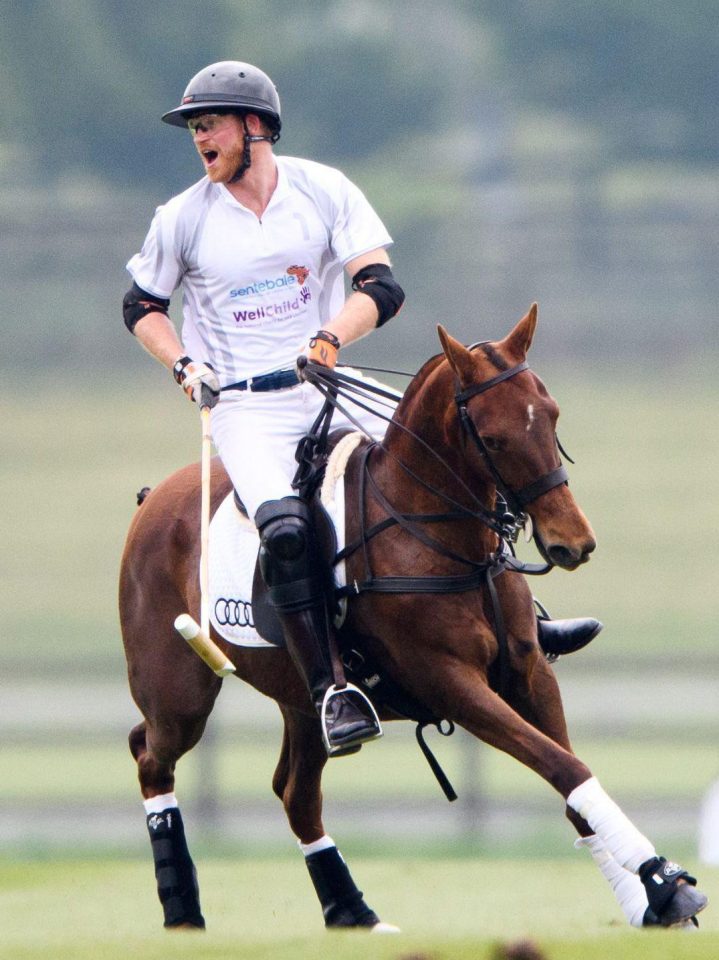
627	845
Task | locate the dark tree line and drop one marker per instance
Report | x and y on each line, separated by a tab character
84	82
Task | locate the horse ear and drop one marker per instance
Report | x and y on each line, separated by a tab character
520	339
459	357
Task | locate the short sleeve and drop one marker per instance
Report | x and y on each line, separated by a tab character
357	228
157	268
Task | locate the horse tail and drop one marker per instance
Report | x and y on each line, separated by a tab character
142	494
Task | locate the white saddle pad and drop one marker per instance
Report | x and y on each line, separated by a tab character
233	546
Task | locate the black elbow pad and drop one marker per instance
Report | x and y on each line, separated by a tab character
137	303
377	282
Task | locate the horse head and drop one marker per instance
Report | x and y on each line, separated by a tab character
509	421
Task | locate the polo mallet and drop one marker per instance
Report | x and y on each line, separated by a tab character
198	635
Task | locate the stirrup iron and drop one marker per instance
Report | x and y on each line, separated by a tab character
338	750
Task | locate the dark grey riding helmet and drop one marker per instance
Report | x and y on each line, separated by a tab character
228	85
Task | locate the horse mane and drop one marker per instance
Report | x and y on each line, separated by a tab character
418	381
493	355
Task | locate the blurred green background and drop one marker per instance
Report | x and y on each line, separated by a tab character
517	151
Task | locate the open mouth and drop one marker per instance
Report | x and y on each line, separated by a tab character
209	156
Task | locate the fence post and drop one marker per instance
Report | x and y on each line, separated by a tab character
472	802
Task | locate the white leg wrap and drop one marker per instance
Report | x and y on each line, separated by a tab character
627	845
165	801
324	843
626	887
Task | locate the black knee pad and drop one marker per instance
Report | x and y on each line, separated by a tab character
289	561
286	539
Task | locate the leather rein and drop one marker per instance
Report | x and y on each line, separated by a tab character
506	520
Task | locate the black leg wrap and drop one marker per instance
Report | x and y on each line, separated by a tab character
669	901
174	870
342	903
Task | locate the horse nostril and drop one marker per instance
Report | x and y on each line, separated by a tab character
562	556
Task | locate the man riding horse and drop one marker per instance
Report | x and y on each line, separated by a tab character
259	246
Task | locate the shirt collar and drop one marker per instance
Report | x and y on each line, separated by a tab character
282	189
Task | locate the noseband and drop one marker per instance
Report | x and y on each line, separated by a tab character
515	500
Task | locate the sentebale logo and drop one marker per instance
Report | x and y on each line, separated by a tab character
293	275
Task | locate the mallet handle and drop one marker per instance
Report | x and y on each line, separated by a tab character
206	466
203	646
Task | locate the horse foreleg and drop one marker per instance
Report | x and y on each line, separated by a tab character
669	889
297	782
539	702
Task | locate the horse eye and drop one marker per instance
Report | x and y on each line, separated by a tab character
492	443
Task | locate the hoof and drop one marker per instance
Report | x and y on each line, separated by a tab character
684	905
671	892
385	928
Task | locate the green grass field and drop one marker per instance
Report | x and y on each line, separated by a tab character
645	474
447	909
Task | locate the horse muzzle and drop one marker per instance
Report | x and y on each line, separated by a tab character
568	556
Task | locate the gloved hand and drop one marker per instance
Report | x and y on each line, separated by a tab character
193	376
322	348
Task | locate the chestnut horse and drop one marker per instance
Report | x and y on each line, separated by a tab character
474	430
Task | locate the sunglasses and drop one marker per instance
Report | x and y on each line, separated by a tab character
206	123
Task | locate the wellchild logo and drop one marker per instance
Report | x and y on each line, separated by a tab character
292	276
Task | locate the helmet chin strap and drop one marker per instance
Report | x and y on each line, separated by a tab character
249	139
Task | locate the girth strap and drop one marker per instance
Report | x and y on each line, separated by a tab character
439	584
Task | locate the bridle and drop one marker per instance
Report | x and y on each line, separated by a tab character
506	520
516	500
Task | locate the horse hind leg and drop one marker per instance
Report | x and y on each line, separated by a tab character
297	782
175	872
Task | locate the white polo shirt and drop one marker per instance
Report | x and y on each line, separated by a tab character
255	290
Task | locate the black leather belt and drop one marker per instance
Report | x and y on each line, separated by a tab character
268	381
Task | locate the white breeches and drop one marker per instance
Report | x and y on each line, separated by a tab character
256	435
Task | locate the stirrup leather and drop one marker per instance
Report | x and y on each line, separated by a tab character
340	749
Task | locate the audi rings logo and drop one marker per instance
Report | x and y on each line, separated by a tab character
233	613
